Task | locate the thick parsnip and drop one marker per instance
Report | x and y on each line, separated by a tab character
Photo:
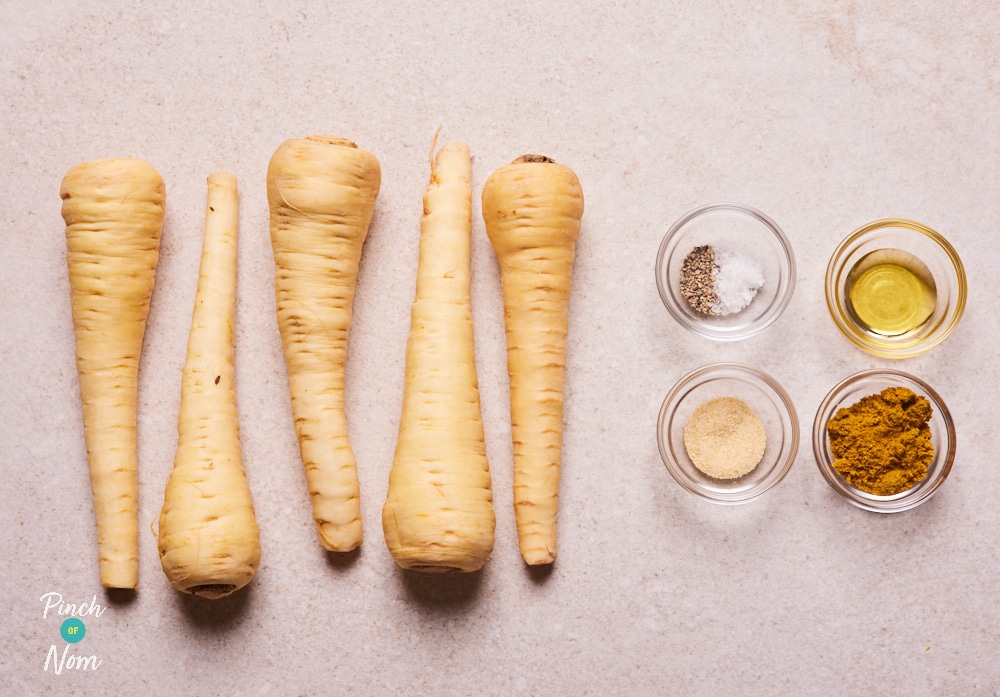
438	515
321	192
114	215
532	210
208	538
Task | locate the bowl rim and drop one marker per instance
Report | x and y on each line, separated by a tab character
850	329
739	371
777	306
904	500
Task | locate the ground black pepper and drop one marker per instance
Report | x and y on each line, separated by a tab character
697	277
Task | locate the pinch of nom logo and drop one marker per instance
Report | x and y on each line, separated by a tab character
72	630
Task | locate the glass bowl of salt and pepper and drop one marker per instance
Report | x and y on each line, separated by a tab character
725	271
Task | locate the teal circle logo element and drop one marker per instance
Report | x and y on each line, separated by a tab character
72	630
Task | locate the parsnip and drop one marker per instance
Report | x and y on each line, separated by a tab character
321	192
438	515
532	209
209	542
113	211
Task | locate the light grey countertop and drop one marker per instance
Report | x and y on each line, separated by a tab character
824	115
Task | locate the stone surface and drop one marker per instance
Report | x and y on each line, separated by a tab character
824	115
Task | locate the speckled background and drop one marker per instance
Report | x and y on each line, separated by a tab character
825	115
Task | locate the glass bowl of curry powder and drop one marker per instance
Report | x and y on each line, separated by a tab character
884	440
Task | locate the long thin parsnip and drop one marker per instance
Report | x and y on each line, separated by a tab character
321	192
114	215
208	538
532	209
438	515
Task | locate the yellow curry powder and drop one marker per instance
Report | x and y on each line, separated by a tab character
882	443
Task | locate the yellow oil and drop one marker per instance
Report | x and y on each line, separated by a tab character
891	292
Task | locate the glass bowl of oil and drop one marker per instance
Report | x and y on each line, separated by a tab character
896	288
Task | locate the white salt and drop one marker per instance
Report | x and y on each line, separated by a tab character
737	280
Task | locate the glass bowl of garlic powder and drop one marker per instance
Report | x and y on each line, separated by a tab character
725	271
728	433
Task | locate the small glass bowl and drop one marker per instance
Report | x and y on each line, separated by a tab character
865	383
933	250
741	230
764	396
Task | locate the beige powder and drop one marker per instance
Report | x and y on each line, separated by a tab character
724	438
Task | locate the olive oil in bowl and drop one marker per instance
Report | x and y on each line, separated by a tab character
896	288
891	292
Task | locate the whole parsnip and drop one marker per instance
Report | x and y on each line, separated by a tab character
532	209
113	211
438	515
321	191
208	540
